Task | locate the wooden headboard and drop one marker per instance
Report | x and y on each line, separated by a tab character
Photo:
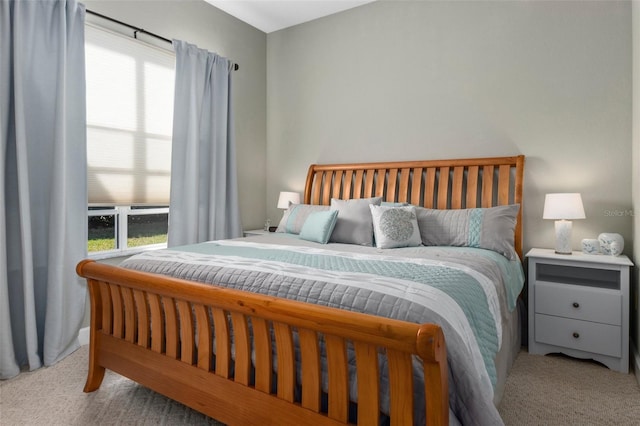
438	184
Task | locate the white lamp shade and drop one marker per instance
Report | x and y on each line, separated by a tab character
287	198
563	206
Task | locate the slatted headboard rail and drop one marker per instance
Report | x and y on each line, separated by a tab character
438	184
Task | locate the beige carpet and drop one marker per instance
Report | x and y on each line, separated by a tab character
558	390
53	396
548	390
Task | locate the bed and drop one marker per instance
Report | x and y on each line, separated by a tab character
227	327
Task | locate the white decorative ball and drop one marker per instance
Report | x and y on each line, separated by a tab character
616	248
607	246
590	246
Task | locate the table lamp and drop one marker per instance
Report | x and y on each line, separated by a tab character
563	207
287	198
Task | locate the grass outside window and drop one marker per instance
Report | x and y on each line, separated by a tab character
142	230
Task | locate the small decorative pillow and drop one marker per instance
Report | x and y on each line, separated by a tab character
393	204
489	228
319	226
354	225
395	226
296	215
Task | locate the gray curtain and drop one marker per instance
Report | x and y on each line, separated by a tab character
204	194
43	194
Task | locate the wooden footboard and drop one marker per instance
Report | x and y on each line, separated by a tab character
194	343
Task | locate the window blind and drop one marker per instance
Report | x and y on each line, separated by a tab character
130	87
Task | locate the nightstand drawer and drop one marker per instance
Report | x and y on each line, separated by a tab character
580	335
582	303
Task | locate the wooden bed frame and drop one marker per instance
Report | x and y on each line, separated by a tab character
159	331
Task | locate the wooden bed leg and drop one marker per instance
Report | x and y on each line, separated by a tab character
95	374
96	371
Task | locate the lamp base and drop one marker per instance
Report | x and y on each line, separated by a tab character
563	236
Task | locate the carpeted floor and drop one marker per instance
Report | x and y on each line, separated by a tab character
549	390
53	396
558	390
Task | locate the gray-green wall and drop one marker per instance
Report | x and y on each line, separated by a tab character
401	80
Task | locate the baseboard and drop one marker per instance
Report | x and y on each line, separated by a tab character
83	336
635	361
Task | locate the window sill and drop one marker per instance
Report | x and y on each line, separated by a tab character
101	255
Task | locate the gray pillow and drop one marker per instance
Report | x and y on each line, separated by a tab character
395	226
296	215
489	228
354	224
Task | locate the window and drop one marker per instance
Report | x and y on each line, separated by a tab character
129	125
122	229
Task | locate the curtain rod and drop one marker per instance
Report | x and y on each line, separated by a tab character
137	30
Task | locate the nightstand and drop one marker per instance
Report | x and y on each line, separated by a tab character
254	232
579	306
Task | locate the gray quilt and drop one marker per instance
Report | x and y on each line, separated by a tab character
466	291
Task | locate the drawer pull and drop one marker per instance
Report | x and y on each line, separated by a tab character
576	335
576	305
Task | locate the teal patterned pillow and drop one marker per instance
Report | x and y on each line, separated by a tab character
395	226
490	228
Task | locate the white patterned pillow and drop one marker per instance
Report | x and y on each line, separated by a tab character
395	226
